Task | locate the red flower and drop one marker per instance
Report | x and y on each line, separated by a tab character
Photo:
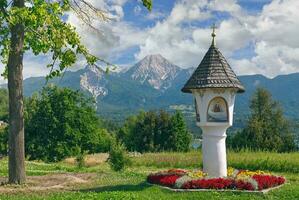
214	183
268	181
169	180
243	185
165	180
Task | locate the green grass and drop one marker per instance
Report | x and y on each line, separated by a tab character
130	183
35	168
278	162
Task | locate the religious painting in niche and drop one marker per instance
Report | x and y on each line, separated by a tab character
196	111
217	111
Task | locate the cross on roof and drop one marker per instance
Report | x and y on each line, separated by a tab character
213	34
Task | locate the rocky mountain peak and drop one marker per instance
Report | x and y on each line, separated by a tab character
93	80
155	70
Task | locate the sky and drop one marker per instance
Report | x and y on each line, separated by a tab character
255	36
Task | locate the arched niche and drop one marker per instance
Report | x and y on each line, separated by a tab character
196	110
217	110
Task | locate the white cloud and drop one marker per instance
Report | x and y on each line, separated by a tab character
115	36
276	34
272	60
185	11
155	15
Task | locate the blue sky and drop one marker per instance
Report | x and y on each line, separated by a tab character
256	36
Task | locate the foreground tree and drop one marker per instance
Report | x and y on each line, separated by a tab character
60	123
38	27
267	129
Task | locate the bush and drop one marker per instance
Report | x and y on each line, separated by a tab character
59	120
3	140
155	132
80	158
3	104
118	158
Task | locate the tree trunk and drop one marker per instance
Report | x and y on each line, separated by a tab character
16	149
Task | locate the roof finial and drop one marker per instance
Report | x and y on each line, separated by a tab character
213	34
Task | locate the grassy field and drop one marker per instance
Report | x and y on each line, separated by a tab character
130	184
278	162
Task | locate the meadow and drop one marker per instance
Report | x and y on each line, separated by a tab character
98	181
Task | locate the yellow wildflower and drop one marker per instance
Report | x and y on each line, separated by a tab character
247	173
196	174
230	171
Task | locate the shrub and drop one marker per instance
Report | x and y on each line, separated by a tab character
59	119
3	140
155	132
118	158
80	158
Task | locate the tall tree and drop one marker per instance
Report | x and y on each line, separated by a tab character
16	152
162	131
38	27
61	123
267	129
179	133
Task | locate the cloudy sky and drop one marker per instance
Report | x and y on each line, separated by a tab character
256	36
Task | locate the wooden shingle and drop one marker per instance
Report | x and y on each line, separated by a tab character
213	72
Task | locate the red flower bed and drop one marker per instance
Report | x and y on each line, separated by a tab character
169	180
165	180
268	181
187	180
243	185
214	183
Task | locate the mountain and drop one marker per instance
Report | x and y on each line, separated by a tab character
154	70
155	83
93	80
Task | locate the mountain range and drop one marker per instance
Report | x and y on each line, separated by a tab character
155	83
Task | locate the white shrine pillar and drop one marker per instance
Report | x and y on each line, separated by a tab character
214	86
214	151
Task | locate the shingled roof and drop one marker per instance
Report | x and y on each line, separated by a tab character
213	72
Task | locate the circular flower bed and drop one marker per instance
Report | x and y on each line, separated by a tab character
197	179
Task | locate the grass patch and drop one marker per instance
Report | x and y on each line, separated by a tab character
269	161
130	184
36	168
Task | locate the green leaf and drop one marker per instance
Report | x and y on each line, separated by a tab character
147	4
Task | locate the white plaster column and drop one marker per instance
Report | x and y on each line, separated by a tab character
214	150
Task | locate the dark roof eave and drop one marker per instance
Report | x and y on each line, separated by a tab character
188	90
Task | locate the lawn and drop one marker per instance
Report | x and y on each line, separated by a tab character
105	184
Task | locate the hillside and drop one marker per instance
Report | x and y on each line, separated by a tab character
155	83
